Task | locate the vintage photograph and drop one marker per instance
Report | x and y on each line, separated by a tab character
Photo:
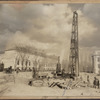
50	50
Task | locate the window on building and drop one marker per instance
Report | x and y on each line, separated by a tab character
98	59
99	66
26	63
99	69
18	62
22	62
29	63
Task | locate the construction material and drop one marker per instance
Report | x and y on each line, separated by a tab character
58	68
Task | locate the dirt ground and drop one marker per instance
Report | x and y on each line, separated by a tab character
17	85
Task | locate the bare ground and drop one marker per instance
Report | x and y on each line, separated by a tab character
17	85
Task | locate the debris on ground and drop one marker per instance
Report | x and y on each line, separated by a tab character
62	84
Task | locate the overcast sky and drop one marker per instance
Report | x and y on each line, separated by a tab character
48	27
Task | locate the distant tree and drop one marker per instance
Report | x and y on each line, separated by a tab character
22	53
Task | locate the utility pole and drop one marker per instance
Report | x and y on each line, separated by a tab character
74	51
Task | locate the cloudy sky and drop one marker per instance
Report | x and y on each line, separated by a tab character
48	27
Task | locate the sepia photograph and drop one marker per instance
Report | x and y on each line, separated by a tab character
50	50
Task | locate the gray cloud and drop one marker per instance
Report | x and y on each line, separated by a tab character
49	25
76	6
92	13
15	17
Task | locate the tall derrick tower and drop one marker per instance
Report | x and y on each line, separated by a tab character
74	52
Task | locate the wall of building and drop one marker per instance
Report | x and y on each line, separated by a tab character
12	58
96	62
8	58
